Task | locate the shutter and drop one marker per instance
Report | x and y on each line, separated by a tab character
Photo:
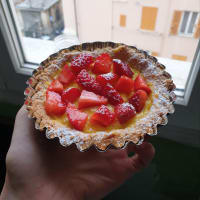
123	20
197	31
175	22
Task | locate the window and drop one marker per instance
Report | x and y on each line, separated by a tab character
179	57
153	53
37	25
122	20
149	15
187	25
34	30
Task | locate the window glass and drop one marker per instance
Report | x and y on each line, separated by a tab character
184	22
192	22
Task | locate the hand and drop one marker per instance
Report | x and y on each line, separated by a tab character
38	168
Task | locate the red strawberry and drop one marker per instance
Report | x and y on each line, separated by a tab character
125	112
103	116
140	84
125	84
111	78
76	118
53	104
88	99
88	82
138	100
102	64
82	61
71	95
111	93
56	86
66	76
121	68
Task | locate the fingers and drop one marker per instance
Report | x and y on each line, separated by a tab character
144	153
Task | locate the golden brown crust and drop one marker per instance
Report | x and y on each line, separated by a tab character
153	72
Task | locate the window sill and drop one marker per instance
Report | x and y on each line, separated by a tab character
154	33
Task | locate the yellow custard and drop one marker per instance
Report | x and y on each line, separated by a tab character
90	128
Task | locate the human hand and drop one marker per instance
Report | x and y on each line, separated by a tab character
38	168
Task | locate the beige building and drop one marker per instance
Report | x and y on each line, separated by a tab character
166	28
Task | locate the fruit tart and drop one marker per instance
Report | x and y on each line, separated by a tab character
100	94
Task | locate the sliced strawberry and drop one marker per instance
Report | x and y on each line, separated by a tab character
53	104
76	118
82	61
85	80
138	100
102	64
125	112
103	116
71	95
111	93
88	99
111	78
121	68
66	76
140	84
125	84
56	86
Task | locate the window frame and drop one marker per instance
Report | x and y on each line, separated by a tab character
9	30
186	34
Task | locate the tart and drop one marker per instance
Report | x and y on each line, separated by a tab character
100	94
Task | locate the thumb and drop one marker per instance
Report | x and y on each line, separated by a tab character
144	153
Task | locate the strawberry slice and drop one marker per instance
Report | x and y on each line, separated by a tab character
56	86
82	61
53	104
71	95
125	84
76	118
102	64
111	93
110	78
85	80
103	116
124	112
140	84
138	100
66	76
121	68
88	99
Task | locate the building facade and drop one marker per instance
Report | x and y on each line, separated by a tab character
166	28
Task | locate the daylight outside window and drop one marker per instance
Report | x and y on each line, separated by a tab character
169	30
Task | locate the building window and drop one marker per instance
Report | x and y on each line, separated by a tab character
188	22
179	57
123	20
154	53
149	15
185	23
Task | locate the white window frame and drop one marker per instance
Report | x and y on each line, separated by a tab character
8	28
186	34
12	36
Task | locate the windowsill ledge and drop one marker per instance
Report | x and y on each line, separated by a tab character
154	33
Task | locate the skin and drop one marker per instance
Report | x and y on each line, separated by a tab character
39	169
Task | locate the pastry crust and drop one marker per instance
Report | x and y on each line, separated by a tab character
154	73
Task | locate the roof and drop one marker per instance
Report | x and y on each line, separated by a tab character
36	5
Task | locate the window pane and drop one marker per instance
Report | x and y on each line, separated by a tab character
40	23
192	22
184	21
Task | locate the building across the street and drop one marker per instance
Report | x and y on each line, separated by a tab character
40	18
